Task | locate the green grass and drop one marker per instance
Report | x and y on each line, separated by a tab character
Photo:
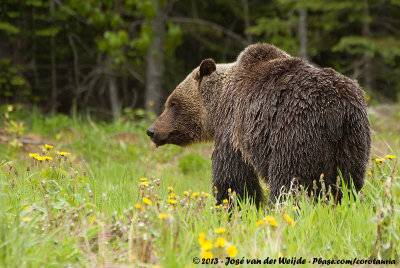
80	210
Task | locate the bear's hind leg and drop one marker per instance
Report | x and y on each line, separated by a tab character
230	171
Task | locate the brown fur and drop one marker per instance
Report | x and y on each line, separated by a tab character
271	115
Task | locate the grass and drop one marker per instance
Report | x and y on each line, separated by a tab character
87	209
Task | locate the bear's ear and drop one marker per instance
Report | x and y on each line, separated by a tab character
207	67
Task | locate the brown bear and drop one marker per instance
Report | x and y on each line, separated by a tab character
271	116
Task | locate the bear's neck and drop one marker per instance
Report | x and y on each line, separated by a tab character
212	98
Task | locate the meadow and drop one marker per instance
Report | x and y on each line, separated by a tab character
101	194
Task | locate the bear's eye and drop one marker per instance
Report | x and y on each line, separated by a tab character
172	104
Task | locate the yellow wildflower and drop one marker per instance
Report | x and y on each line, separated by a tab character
229	190
186	193
232	251
48	147
202	238
26	219
38	158
271	220
92	220
33	155
63	154
216	206
27	207
196	194
146	201
173	202
206	195
145	183
370	173
260	223
378	160
207	255
367	97
143	179
225	201
220	242
289	219
163	216
170	188
138	206
295	208
207	245
389	156
220	230
47	158
266	189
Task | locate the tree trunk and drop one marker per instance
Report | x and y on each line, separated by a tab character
366	32
303	33
113	90
155	61
54	90
245	4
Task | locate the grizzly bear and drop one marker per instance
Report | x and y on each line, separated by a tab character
271	116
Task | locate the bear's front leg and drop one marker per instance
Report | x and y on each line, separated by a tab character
230	171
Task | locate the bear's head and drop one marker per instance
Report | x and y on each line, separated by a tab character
187	116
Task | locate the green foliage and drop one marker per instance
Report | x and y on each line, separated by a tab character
8	28
191	163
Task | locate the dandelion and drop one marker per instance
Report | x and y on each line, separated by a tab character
145	183
186	193
146	201
271	220
216	206
220	230
63	154
379	160
295	208
196	194
47	158
370	173
225	201
260	223
232	251
207	255
48	147
220	242
389	156
38	158
33	155
138	206
26	219
206	195
171	195
207	245
172	202
143	179
202	238
27	207
170	188
163	216
289	219
92	220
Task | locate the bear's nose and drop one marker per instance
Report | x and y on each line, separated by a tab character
150	132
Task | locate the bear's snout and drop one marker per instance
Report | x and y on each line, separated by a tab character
150	131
